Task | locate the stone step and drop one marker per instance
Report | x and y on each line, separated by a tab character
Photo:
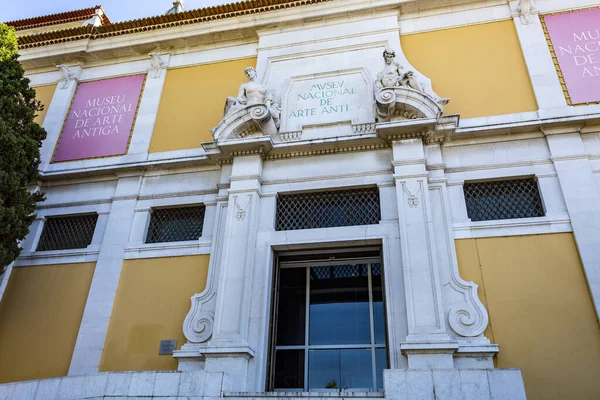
305	395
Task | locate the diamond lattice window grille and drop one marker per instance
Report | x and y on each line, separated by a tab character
175	224
328	209
339	271
376	269
508	199
69	232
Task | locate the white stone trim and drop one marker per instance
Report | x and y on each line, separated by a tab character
98	309
4	279
31	257
123	385
89	254
556	220
582	199
512	227
385	234
542	72
174	249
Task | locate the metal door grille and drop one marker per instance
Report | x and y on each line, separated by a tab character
339	271
64	233
175	224
328	209
496	200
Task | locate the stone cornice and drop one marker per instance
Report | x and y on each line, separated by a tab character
322	147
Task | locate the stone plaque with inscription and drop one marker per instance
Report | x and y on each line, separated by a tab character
325	99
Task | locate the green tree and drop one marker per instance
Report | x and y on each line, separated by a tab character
20	141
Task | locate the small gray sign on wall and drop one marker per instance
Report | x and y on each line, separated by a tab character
167	347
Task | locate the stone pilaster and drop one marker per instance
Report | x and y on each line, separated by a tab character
98	309
465	315
428	344
147	111
56	115
582	198
542	72
229	350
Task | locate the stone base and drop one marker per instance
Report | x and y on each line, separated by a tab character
454	384
447	384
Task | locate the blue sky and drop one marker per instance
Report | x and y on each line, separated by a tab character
117	10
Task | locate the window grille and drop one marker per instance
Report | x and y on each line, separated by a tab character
328	209
175	224
339	272
72	232
518	198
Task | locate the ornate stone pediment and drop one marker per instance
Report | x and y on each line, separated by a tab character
252	120
405	103
400	96
325	108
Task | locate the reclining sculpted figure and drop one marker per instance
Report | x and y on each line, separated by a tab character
250	93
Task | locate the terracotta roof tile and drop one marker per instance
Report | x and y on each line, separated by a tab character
162	21
55	19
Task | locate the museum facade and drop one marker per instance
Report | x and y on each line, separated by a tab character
290	199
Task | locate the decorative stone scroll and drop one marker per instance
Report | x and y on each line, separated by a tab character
253	112
400	96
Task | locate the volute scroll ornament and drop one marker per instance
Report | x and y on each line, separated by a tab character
254	110
399	95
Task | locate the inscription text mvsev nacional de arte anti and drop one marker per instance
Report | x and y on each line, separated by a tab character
324	98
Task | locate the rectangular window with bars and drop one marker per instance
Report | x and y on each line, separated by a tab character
175	224
68	232
328	209
506	199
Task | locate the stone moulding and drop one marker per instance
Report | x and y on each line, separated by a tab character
398	103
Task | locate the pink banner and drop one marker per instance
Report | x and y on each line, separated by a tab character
576	40
100	120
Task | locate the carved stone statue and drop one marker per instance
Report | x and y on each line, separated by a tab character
526	9
250	93
399	94
393	74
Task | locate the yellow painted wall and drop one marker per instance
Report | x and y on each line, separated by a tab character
479	67
152	301
40	314
44	94
541	312
192	103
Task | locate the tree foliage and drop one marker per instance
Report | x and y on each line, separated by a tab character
20	141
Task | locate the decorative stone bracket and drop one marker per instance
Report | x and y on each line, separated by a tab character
526	10
157	62
66	76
